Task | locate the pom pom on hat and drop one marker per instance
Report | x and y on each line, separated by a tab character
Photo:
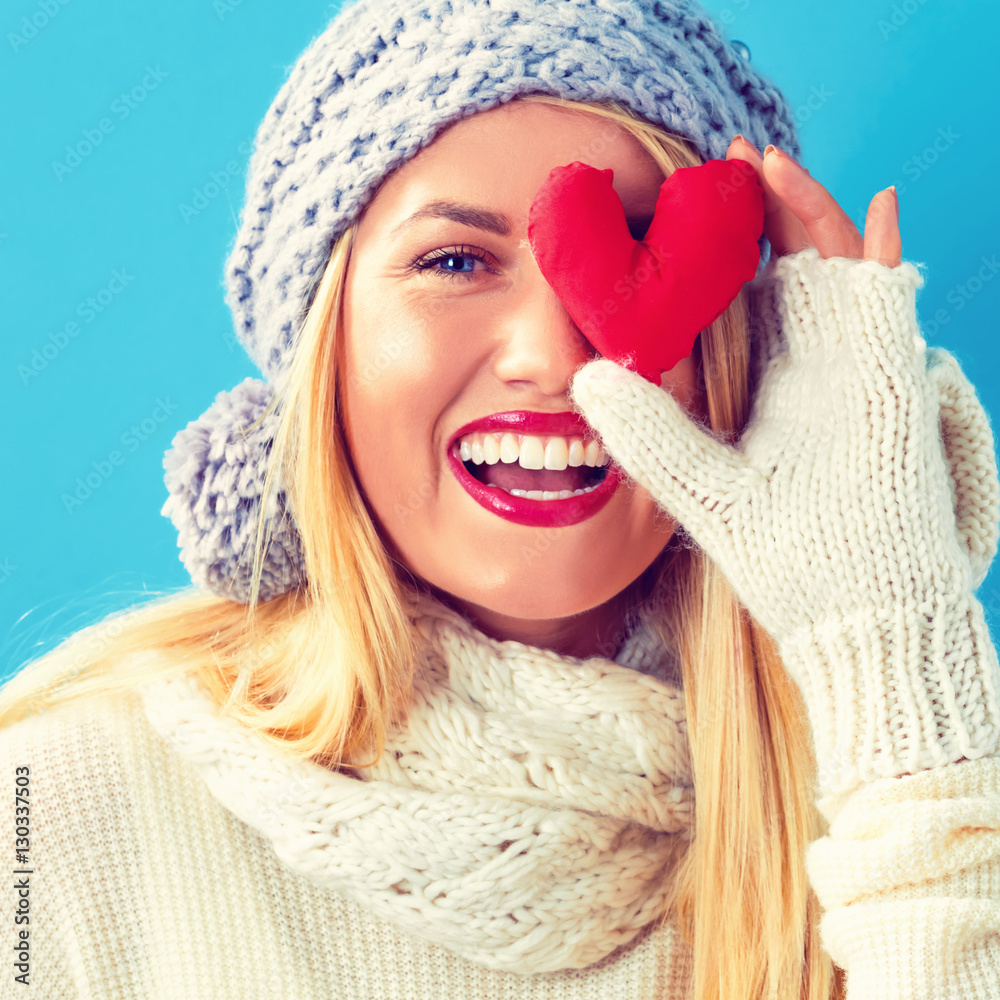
215	475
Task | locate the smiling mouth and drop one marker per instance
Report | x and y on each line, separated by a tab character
512	476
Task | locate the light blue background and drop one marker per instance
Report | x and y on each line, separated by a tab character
876	85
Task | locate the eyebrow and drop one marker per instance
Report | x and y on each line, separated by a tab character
490	222
467	215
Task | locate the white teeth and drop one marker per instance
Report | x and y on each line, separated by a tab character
532	454
531	451
556	453
545	494
491	449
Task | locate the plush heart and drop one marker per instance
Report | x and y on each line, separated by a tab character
642	304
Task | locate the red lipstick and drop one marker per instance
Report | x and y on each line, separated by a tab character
520	510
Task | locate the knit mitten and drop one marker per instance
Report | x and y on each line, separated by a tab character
834	517
968	443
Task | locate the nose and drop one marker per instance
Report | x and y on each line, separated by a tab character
541	345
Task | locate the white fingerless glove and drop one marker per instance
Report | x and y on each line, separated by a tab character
968	443
835	518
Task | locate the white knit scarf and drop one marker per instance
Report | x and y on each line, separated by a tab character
522	816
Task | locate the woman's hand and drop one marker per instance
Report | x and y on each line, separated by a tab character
799	212
833	517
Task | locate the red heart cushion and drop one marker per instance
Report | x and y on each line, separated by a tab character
642	304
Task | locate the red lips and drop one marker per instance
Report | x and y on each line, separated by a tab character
642	304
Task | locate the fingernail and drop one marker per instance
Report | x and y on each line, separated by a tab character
744	140
782	154
895	198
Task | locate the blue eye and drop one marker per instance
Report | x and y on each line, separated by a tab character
459	262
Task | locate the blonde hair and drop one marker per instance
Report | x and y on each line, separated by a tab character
322	673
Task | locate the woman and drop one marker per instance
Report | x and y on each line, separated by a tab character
727	729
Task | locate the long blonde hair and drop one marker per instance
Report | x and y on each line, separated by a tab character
322	673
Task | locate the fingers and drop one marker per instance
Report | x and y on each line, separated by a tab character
800	212
828	226
783	230
882	240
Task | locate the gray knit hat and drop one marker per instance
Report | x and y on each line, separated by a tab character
383	79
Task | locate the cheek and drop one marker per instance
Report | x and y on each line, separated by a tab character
400	369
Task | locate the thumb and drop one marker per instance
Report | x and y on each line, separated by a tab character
969	447
692	475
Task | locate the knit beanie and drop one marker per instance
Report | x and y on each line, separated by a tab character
373	89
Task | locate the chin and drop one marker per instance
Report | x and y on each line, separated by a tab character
543	580
543	589
539	606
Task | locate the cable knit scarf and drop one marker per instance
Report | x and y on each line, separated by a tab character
523	816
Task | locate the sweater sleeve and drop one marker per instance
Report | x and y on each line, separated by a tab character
908	872
908	875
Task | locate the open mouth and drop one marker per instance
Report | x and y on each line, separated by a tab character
537	497
518	481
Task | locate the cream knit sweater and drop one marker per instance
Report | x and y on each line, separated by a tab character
512	843
160	867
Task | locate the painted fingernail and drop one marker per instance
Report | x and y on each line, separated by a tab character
743	140
782	154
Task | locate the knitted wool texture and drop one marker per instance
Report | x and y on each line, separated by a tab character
202	890
840	519
368	94
522	817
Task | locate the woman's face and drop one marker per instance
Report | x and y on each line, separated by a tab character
448	320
